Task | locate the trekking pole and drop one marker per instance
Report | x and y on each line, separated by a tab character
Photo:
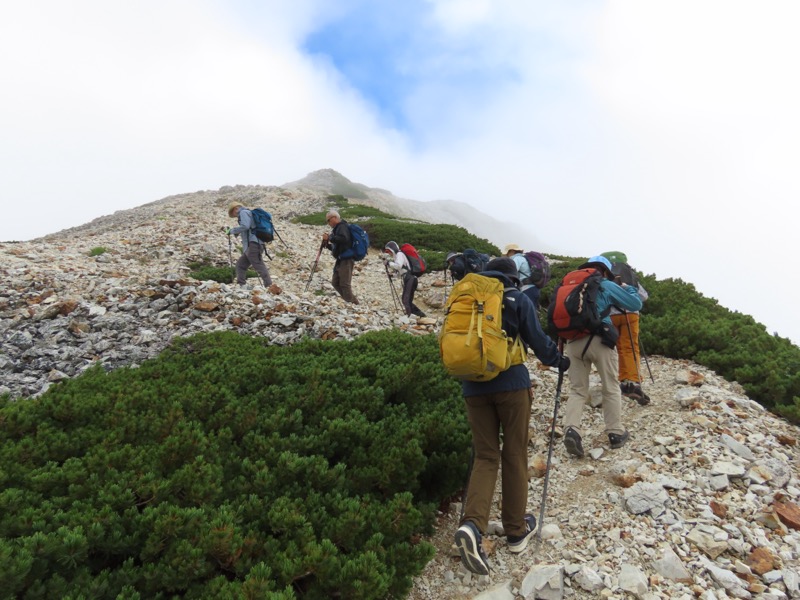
395	296
279	237
314	266
549	457
644	356
444	271
230	255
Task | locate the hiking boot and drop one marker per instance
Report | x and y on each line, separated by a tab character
572	442
617	440
642	398
468	542
518	543
632	390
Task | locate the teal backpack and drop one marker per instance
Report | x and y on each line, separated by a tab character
262	225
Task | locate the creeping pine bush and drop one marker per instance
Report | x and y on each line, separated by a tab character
227	468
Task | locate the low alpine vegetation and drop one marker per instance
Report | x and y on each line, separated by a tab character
185	478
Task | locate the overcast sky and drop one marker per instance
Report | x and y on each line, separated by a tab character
669	130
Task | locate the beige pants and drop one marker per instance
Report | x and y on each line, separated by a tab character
605	361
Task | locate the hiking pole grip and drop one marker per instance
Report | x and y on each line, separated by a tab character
549	457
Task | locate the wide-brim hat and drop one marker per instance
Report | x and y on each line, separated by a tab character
506	266
232	206
600	262
512	247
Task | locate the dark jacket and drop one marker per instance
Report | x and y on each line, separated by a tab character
519	317
340	239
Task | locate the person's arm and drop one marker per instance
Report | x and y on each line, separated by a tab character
642	293
625	296
532	334
340	235
245	222
399	262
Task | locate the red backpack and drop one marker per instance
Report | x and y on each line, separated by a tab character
417	263
572	313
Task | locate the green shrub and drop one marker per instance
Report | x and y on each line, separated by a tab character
97	251
228	468
205	270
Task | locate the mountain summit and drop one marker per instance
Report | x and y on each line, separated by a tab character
498	229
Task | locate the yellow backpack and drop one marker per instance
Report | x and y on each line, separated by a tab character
472	343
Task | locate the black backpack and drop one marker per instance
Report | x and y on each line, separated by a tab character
625	273
476	261
468	261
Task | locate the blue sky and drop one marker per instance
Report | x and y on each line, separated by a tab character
664	129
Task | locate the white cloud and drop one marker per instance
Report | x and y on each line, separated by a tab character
666	130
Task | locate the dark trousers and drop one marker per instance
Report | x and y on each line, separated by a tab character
409	289
342	277
487	414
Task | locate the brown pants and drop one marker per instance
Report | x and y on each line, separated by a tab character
628	352
342	277
487	414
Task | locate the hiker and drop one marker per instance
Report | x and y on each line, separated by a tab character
457	265
338	241
627	323
397	260
515	253
503	404
468	261
598	349
252	247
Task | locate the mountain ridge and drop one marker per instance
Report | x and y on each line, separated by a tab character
452	212
692	507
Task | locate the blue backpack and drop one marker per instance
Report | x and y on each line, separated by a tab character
358	249
262	225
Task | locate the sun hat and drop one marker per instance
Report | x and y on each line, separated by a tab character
511	247
233	205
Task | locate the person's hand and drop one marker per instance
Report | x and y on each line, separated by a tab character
385	257
229	231
325	237
563	364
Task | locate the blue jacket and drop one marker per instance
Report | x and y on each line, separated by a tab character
611	294
519	317
245	228
522	265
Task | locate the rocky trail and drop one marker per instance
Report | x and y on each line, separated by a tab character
701	503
